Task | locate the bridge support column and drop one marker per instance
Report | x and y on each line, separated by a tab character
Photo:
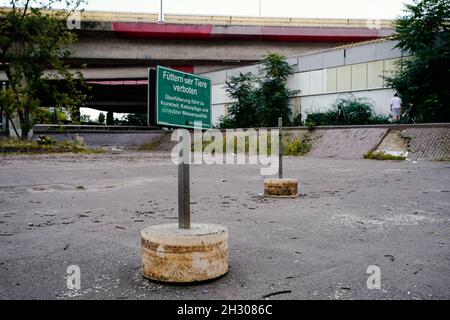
110	118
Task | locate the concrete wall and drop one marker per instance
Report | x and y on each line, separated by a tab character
423	141
105	139
430	142
380	97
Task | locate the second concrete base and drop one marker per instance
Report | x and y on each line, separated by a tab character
281	188
178	255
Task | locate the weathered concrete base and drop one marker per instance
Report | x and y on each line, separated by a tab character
171	254
281	188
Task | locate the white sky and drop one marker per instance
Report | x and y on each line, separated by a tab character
365	9
94	113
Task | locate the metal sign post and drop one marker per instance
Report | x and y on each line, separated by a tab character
183	100
184	202
280	148
151	97
180	100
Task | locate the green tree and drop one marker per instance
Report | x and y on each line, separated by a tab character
43	115
260	99
241	114
85	118
61	115
34	48
273	96
132	119
101	118
424	78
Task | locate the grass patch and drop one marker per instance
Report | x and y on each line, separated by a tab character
152	145
235	146
292	146
298	146
16	146
380	155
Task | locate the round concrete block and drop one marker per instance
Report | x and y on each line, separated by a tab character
171	254
282	188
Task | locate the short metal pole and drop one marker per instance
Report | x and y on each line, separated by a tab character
280	148
184	202
161	13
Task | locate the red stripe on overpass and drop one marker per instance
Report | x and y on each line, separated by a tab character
165	31
208	32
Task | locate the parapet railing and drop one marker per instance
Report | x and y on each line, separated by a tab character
99	16
42	128
137	17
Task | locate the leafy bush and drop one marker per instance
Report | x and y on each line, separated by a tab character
297	121
260	99
380	155
154	144
132	119
46	141
292	146
324	118
422	79
226	122
356	111
42	115
101	118
242	112
310	123
296	146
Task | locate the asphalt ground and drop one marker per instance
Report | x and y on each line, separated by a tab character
88	210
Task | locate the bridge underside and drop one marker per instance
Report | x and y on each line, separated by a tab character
108	50
119	96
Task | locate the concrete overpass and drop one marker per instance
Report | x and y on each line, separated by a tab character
118	48
128	41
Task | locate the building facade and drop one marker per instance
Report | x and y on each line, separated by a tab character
326	75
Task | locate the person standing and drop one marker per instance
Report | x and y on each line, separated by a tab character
412	113
396	107
340	116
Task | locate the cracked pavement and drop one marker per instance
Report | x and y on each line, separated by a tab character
88	210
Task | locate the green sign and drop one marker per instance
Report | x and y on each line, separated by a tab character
182	99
